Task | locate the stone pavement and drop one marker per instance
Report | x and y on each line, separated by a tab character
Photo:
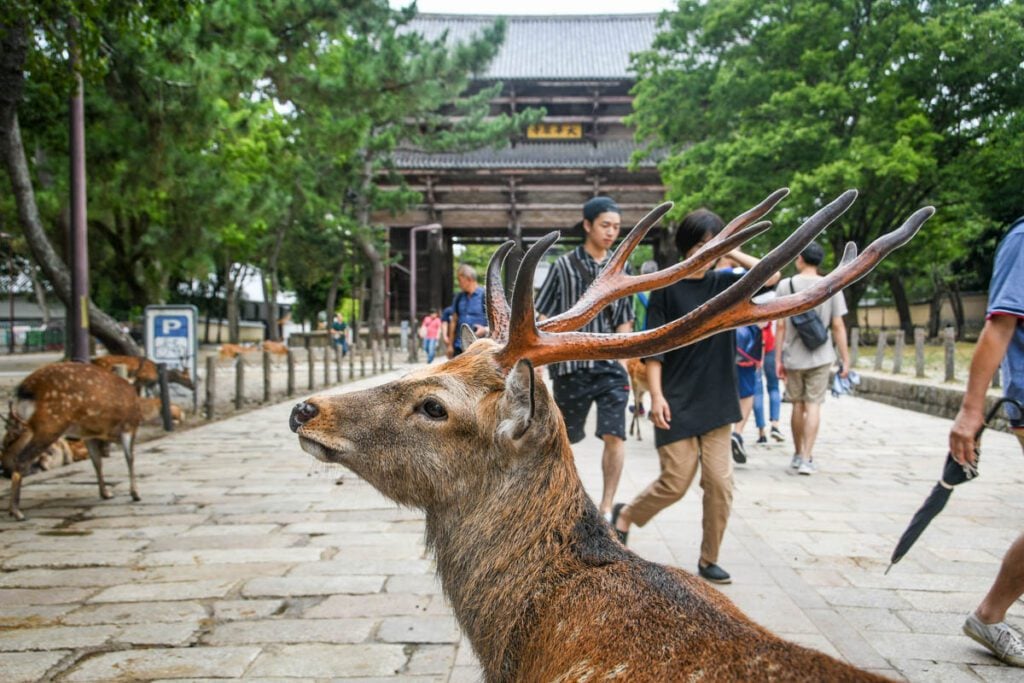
247	559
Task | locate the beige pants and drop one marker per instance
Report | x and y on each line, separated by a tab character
679	461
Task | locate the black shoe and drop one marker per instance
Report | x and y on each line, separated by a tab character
777	435
739	453
622	535
713	573
762	440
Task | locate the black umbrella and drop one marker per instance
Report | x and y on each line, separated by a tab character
954	473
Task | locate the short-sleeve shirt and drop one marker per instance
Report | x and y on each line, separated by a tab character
1006	297
699	380
563	287
795	355
432	327
471	311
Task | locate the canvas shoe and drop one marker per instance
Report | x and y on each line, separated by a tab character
797	460
777	434
739	453
713	573
1003	640
762	440
807	467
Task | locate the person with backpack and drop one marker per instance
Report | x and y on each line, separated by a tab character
749	357
807	356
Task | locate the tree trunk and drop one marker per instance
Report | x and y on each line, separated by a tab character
365	238
935	307
233	281
957	304
853	294
271	282
332	295
899	296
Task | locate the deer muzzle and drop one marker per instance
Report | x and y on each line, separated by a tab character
301	414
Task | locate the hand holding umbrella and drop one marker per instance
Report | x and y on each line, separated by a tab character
952	474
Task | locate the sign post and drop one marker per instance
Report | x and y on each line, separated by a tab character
171	338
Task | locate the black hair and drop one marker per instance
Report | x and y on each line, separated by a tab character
694	227
594	207
813	254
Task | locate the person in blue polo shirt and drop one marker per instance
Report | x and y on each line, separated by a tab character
467	309
1001	342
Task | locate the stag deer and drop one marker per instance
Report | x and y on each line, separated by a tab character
143	372
535	576
77	399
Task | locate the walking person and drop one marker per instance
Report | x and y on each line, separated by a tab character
808	355
578	384
467	309
1001	342
430	332
768	380
694	403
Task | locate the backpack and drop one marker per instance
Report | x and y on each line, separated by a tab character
749	346
809	326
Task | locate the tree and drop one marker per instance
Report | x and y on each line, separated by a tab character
902	100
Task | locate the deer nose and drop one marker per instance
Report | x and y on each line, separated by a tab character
301	414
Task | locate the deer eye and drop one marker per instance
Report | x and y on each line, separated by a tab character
433	409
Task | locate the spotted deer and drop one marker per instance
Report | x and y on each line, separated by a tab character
638	385
536	578
143	372
74	399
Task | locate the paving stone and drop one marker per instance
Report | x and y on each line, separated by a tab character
423	629
212	572
169	635
925	671
243	556
60	559
997	673
155	592
233	610
55	637
418	584
43	596
431	659
340	567
144	664
272	631
234	530
28	667
32	616
379	605
189	543
328	661
312	585
136	613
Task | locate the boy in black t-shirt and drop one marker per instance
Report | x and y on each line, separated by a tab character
693	402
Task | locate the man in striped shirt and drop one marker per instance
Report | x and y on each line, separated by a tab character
577	384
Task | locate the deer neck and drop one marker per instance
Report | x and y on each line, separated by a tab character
502	553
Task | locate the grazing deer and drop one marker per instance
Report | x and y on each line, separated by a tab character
143	372
638	382
535	576
77	399
228	351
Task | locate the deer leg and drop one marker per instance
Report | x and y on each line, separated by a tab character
96	456
128	446
16	496
19	467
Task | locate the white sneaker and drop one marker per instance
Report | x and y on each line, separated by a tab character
807	467
796	461
1003	640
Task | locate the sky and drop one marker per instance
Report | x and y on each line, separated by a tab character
539	6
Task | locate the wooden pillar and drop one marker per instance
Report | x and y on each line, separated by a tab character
291	373
239	382
310	363
327	366
897	357
950	344
854	346
211	385
266	377
880	351
337	364
919	335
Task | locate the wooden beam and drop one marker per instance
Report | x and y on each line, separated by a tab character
607	187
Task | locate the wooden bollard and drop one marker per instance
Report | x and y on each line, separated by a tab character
291	373
996	381
362	364
352	363
211	385
919	335
880	351
375	355
337	364
266	376
310	363
897	355
854	346
391	358
950	343
239	382
165	397
327	366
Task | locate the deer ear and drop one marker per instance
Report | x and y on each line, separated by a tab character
516	407
466	336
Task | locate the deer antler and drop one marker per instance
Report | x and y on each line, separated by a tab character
728	310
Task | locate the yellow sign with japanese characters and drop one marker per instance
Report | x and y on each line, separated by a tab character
555	131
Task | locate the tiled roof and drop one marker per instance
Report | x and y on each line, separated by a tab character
554	47
607	154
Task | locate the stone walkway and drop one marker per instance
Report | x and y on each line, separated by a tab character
247	559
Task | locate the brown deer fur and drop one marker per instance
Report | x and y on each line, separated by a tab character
533	573
151	410
638	383
227	351
277	348
143	372
77	399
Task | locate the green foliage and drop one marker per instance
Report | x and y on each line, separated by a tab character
911	103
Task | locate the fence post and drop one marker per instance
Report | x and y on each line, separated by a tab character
352	363
919	335
310	367
880	351
327	366
996	383
897	358
165	397
239	382
291	373
854	346
950	354
337	364
266	376
391	357
362	363
375	354
211	385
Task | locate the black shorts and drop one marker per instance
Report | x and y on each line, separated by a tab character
609	387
